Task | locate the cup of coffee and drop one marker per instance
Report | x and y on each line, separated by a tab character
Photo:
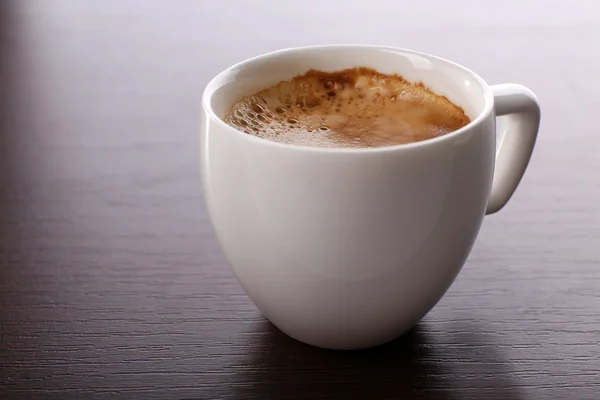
347	184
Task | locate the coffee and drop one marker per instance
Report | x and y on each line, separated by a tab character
357	107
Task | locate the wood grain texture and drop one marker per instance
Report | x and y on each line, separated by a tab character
112	284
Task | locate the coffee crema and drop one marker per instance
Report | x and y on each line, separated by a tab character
356	107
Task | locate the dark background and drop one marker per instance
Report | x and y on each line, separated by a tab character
111	281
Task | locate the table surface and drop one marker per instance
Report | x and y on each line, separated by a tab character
112	284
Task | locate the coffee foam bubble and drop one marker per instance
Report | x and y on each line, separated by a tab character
357	107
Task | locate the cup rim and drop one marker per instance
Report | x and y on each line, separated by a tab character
214	85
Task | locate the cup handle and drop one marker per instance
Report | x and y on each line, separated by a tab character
522	109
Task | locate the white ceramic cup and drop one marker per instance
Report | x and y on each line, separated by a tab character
350	248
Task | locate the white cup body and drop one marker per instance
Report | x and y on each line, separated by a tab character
347	248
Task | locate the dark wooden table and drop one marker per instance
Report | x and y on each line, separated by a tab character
112	284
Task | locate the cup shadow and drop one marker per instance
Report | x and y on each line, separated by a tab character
409	368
